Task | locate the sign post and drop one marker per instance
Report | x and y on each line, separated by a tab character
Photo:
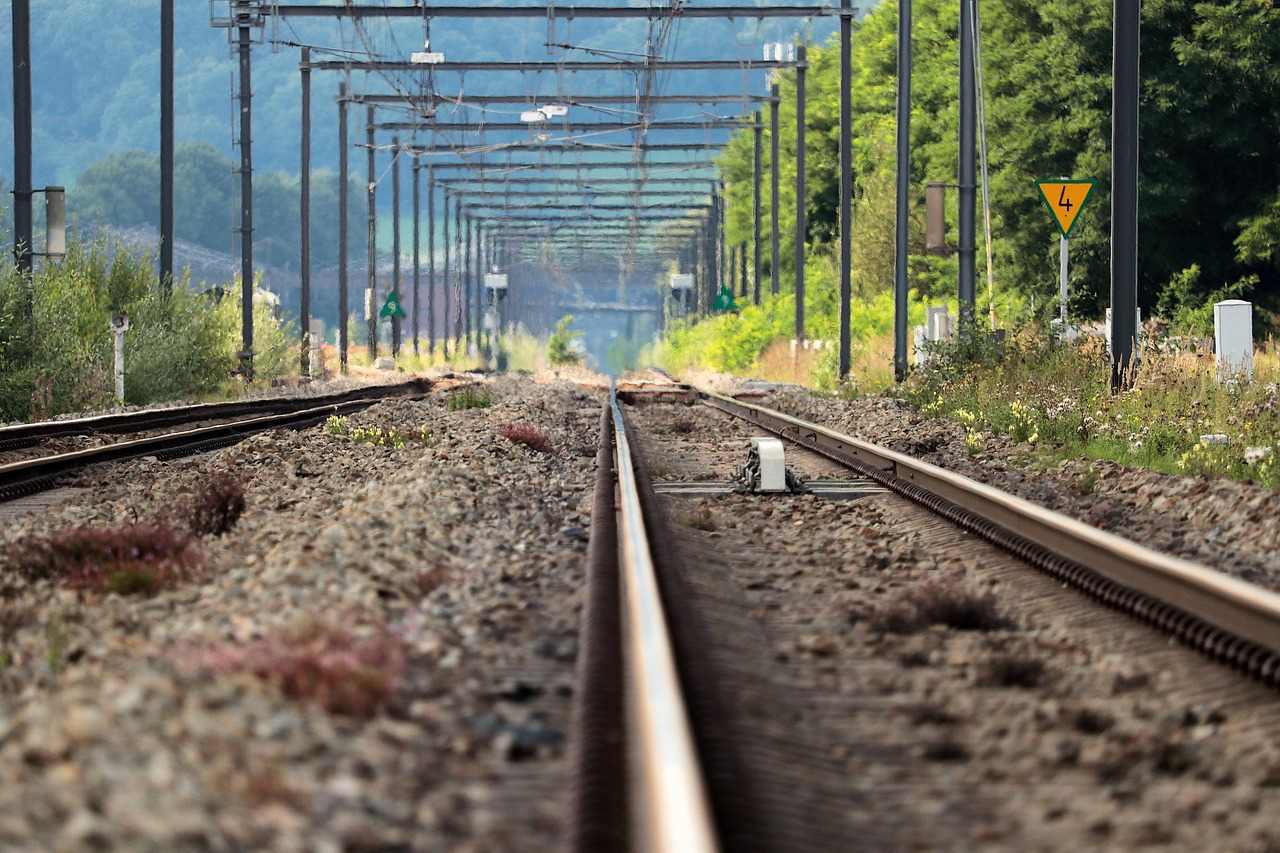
119	325
1065	199
393	309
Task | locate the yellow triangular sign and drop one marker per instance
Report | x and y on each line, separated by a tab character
1065	199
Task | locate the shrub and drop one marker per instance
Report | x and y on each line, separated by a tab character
339	670
56	355
469	398
941	602
1013	671
139	559
529	436
218	505
563	345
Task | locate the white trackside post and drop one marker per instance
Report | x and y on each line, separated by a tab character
1062	284
119	325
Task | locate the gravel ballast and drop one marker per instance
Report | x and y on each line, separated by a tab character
138	723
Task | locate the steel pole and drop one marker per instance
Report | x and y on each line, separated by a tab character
724	276
417	252
967	191
459	268
801	227
732	268
774	232
344	307
371	294
1124	191
902	192
23	224
431	261
246	202
395	241
448	308
468	266
757	168
166	146
304	204
846	186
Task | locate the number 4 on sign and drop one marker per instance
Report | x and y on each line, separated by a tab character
1065	199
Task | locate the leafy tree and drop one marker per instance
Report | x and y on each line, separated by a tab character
563	346
1210	187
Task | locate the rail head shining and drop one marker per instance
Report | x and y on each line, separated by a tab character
679	811
1241	608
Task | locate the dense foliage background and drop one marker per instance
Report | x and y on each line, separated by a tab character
1209	182
57	350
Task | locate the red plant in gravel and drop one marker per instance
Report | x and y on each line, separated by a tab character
139	559
943	601
339	670
219	504
529	436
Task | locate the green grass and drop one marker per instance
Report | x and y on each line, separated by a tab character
56	354
469	397
1057	400
376	435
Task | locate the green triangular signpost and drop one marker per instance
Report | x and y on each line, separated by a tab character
724	300
392	307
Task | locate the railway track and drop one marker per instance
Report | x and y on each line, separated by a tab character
827	709
755	786
209	427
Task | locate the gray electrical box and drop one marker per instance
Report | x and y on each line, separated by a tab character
55	218
935	224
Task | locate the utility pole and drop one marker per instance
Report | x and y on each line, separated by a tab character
244	14
417	255
304	194
774	250
431	261
448	314
801	226
1124	192
468	266
758	147
846	186
902	192
344	307
166	147
459	293
724	276
967	193
395	241
371	295
23	224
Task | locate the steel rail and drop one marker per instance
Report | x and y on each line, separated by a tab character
1222	616
675	795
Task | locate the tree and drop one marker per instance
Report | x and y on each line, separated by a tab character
1210	188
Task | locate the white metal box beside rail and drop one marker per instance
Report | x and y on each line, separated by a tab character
768	455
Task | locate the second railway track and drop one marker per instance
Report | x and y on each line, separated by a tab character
175	432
